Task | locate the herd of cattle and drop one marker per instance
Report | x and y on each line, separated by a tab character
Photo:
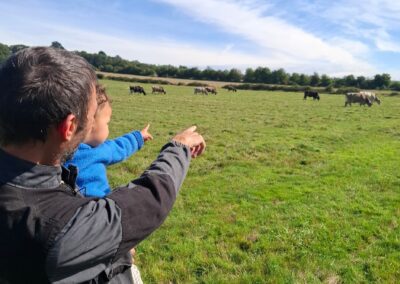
160	90
362	98
140	90
205	90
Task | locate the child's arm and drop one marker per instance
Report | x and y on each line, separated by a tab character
121	148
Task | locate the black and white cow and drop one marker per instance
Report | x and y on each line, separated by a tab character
137	89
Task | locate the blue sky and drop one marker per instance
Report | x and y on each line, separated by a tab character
329	37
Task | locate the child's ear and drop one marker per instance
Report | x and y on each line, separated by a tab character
67	127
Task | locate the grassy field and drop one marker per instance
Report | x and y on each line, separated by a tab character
288	191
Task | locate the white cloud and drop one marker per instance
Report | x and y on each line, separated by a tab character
278	44
162	51
157	51
276	38
374	20
353	46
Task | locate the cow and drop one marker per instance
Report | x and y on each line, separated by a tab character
312	94
158	89
357	98
373	98
211	90
137	89
200	90
231	88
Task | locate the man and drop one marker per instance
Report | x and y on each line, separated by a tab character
49	233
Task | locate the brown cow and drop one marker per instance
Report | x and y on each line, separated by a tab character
158	89
211	90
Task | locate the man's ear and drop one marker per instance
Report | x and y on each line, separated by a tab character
67	127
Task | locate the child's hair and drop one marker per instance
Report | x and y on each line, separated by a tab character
101	96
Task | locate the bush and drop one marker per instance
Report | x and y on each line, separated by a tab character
196	84
100	76
344	90
138	80
329	89
266	87
395	86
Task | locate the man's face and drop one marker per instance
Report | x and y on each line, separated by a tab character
80	136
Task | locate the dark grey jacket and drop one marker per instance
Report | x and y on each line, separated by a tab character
49	233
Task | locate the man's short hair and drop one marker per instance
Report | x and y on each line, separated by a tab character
39	87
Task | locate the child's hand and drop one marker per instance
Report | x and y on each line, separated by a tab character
146	134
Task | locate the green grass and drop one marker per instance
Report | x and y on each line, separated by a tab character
288	191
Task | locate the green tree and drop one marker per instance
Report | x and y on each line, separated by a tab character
279	77
304	80
361	82
222	75
235	75
315	79
108	68
294	79
5	52
262	75
249	76
350	81
339	82
209	74
395	86
381	81
325	80
166	71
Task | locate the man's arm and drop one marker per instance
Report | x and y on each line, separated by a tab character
104	230
146	201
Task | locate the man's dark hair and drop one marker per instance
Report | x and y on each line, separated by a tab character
39	87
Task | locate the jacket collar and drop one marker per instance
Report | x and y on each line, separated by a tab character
21	173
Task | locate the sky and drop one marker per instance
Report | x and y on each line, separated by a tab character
337	38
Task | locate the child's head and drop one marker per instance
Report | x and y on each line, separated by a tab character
99	132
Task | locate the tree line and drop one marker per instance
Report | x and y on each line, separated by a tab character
261	75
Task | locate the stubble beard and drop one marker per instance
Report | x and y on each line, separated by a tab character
69	153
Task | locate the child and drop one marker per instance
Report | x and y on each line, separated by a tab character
96	153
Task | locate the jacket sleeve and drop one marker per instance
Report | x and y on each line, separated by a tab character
121	148
104	230
146	201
